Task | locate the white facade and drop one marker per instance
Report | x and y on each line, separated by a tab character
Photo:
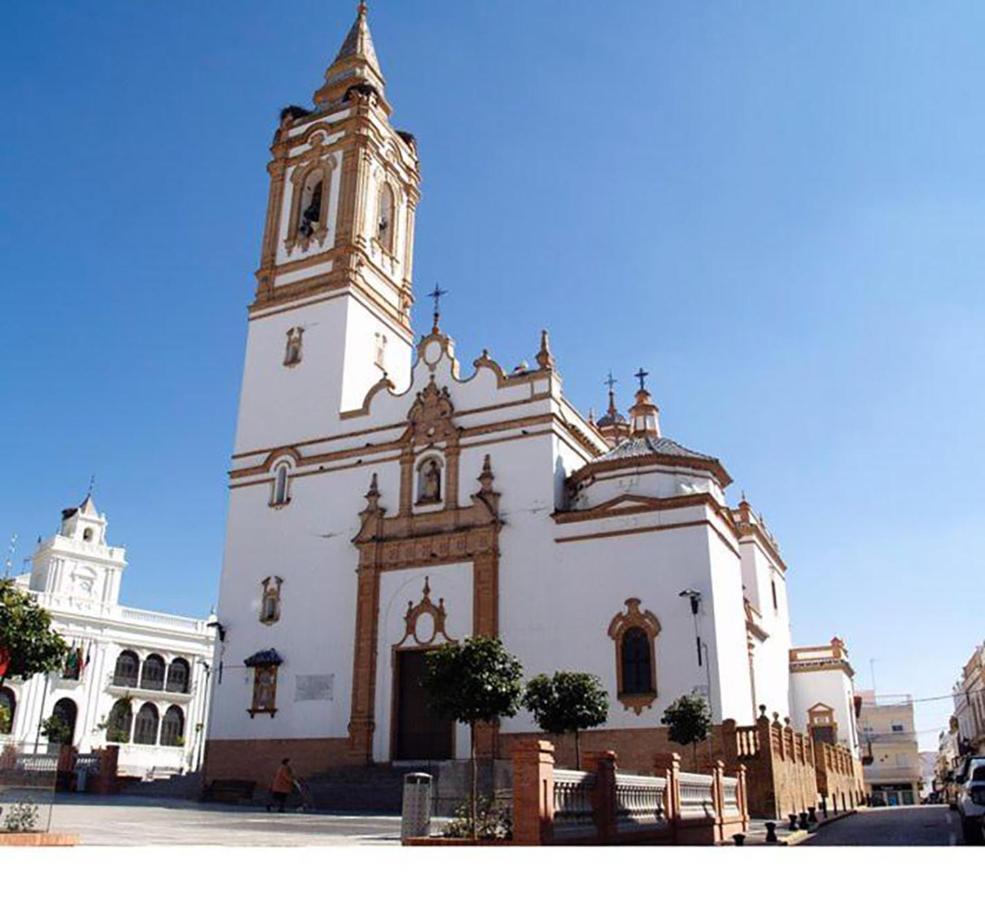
75	575
822	692
410	481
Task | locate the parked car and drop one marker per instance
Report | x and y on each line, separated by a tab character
971	799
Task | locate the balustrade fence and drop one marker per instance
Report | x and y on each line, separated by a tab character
27	788
605	806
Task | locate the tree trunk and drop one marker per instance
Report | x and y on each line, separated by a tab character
475	781
577	750
694	754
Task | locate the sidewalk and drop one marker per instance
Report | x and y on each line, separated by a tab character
756	835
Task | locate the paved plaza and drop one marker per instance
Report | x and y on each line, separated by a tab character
136	821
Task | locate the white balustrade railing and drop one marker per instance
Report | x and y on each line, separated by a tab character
164	620
697	799
573	803
640	802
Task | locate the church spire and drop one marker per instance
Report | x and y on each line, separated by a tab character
644	414
355	65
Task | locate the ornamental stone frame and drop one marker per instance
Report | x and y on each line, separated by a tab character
310	165
650	625
441	536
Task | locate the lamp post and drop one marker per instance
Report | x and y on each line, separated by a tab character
200	726
695	598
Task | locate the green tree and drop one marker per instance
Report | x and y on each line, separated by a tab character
472	682
567	703
28	644
689	721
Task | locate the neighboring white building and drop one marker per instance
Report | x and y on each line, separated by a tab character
969	704
384	501
823	698
893	767
134	677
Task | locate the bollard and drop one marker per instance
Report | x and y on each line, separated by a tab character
793	821
824	807
771	832
739	839
416	818
803	821
812	814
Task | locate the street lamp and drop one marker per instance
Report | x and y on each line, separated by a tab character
695	598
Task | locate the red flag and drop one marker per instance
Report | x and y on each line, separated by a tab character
4	661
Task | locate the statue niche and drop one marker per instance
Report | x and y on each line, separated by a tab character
429	481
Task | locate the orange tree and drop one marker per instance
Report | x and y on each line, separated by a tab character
472	682
28	643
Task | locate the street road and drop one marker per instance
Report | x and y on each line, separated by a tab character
892	826
141	821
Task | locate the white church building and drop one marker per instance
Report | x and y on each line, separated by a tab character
386	497
133	677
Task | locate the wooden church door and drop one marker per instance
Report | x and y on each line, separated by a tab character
420	732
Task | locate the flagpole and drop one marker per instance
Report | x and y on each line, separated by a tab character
44	695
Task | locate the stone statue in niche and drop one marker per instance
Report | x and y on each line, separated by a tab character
429	490
270	601
292	352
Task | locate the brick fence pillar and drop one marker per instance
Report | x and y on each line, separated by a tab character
669	764
533	792
108	763
604	765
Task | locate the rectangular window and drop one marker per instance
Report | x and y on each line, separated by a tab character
897	728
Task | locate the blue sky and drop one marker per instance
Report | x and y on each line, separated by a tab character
777	208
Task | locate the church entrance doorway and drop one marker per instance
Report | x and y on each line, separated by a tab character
420	733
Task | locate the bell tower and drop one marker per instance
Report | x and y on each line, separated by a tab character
331	315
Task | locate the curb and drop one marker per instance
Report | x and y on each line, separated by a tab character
804	836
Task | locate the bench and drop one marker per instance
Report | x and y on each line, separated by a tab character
229	790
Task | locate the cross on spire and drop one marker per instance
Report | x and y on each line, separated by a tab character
436	295
92	484
641	375
610	381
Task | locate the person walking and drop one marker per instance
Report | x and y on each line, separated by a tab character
282	784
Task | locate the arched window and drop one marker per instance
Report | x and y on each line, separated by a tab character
386	225
429	478
637	677
280	495
173	727
312	201
145	727
8	703
119	722
127	667
634	633
178	673
87	534
308	218
152	674
66	711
